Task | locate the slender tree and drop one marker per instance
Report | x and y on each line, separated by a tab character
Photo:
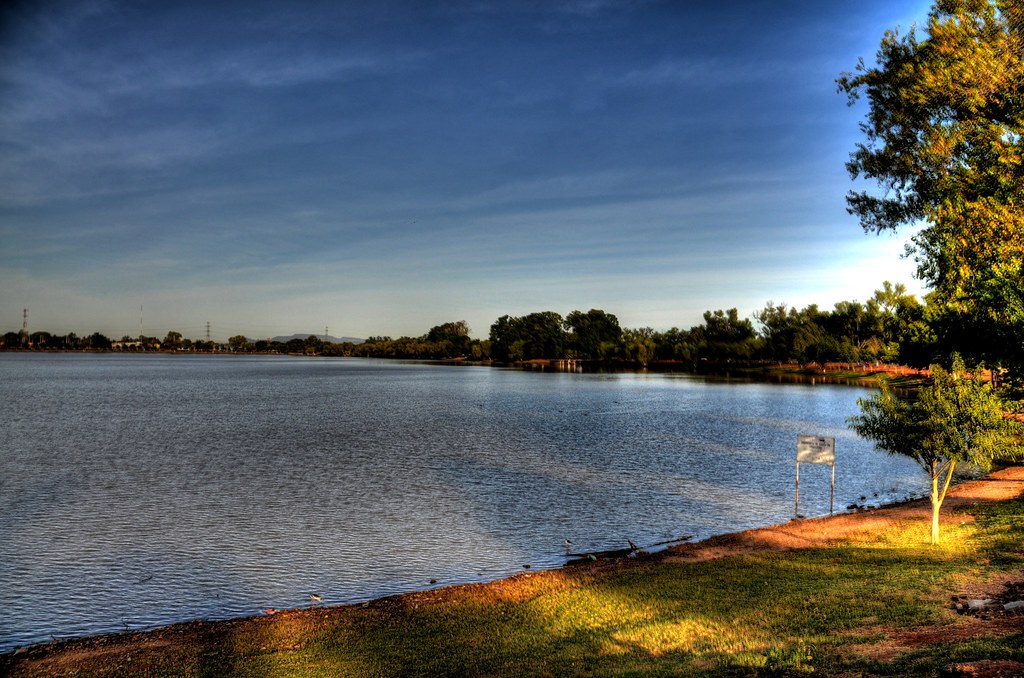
956	419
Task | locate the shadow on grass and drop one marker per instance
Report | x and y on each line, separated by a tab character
929	659
722	617
728	616
717	618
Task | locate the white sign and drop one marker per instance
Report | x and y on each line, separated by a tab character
815	450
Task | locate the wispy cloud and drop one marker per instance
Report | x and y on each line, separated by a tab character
402	161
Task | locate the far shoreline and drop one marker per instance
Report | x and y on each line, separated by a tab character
849	374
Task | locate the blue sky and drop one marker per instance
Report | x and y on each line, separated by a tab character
383	167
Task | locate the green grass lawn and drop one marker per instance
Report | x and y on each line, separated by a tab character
765	614
770	614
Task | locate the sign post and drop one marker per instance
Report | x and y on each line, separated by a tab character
816	450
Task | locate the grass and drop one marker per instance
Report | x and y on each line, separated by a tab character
774	614
925	661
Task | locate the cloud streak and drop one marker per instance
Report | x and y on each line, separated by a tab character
386	167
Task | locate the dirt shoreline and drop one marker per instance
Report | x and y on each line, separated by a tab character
93	653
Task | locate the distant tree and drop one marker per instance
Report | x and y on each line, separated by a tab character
332	349
481	350
675	345
918	342
889	298
639	345
238	342
149	343
71	341
312	345
12	340
98	342
40	340
594	334
506	337
812	342
850	323
172	341
778	326
895	310
956	419
724	336
537	335
452	339
546	335
991	331
448	331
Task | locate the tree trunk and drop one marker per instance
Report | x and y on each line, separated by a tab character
936	503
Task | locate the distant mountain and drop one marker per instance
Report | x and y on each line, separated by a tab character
330	339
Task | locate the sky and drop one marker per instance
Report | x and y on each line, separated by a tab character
380	168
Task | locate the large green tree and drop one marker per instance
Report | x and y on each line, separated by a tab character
172	341
944	139
639	345
451	338
594	334
98	341
536	335
725	336
956	419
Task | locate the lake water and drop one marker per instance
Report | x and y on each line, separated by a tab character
140	490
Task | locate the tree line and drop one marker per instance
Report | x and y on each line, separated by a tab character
891	327
97	341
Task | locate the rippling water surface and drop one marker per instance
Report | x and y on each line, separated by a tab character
142	490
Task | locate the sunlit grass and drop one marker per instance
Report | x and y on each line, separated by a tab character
779	613
729	616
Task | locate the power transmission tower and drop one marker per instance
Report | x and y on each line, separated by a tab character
24	327
207	330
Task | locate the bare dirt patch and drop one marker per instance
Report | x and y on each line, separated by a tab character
998	486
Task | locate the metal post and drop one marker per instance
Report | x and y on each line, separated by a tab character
832	496
796	510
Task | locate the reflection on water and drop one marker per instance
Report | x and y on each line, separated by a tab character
142	490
